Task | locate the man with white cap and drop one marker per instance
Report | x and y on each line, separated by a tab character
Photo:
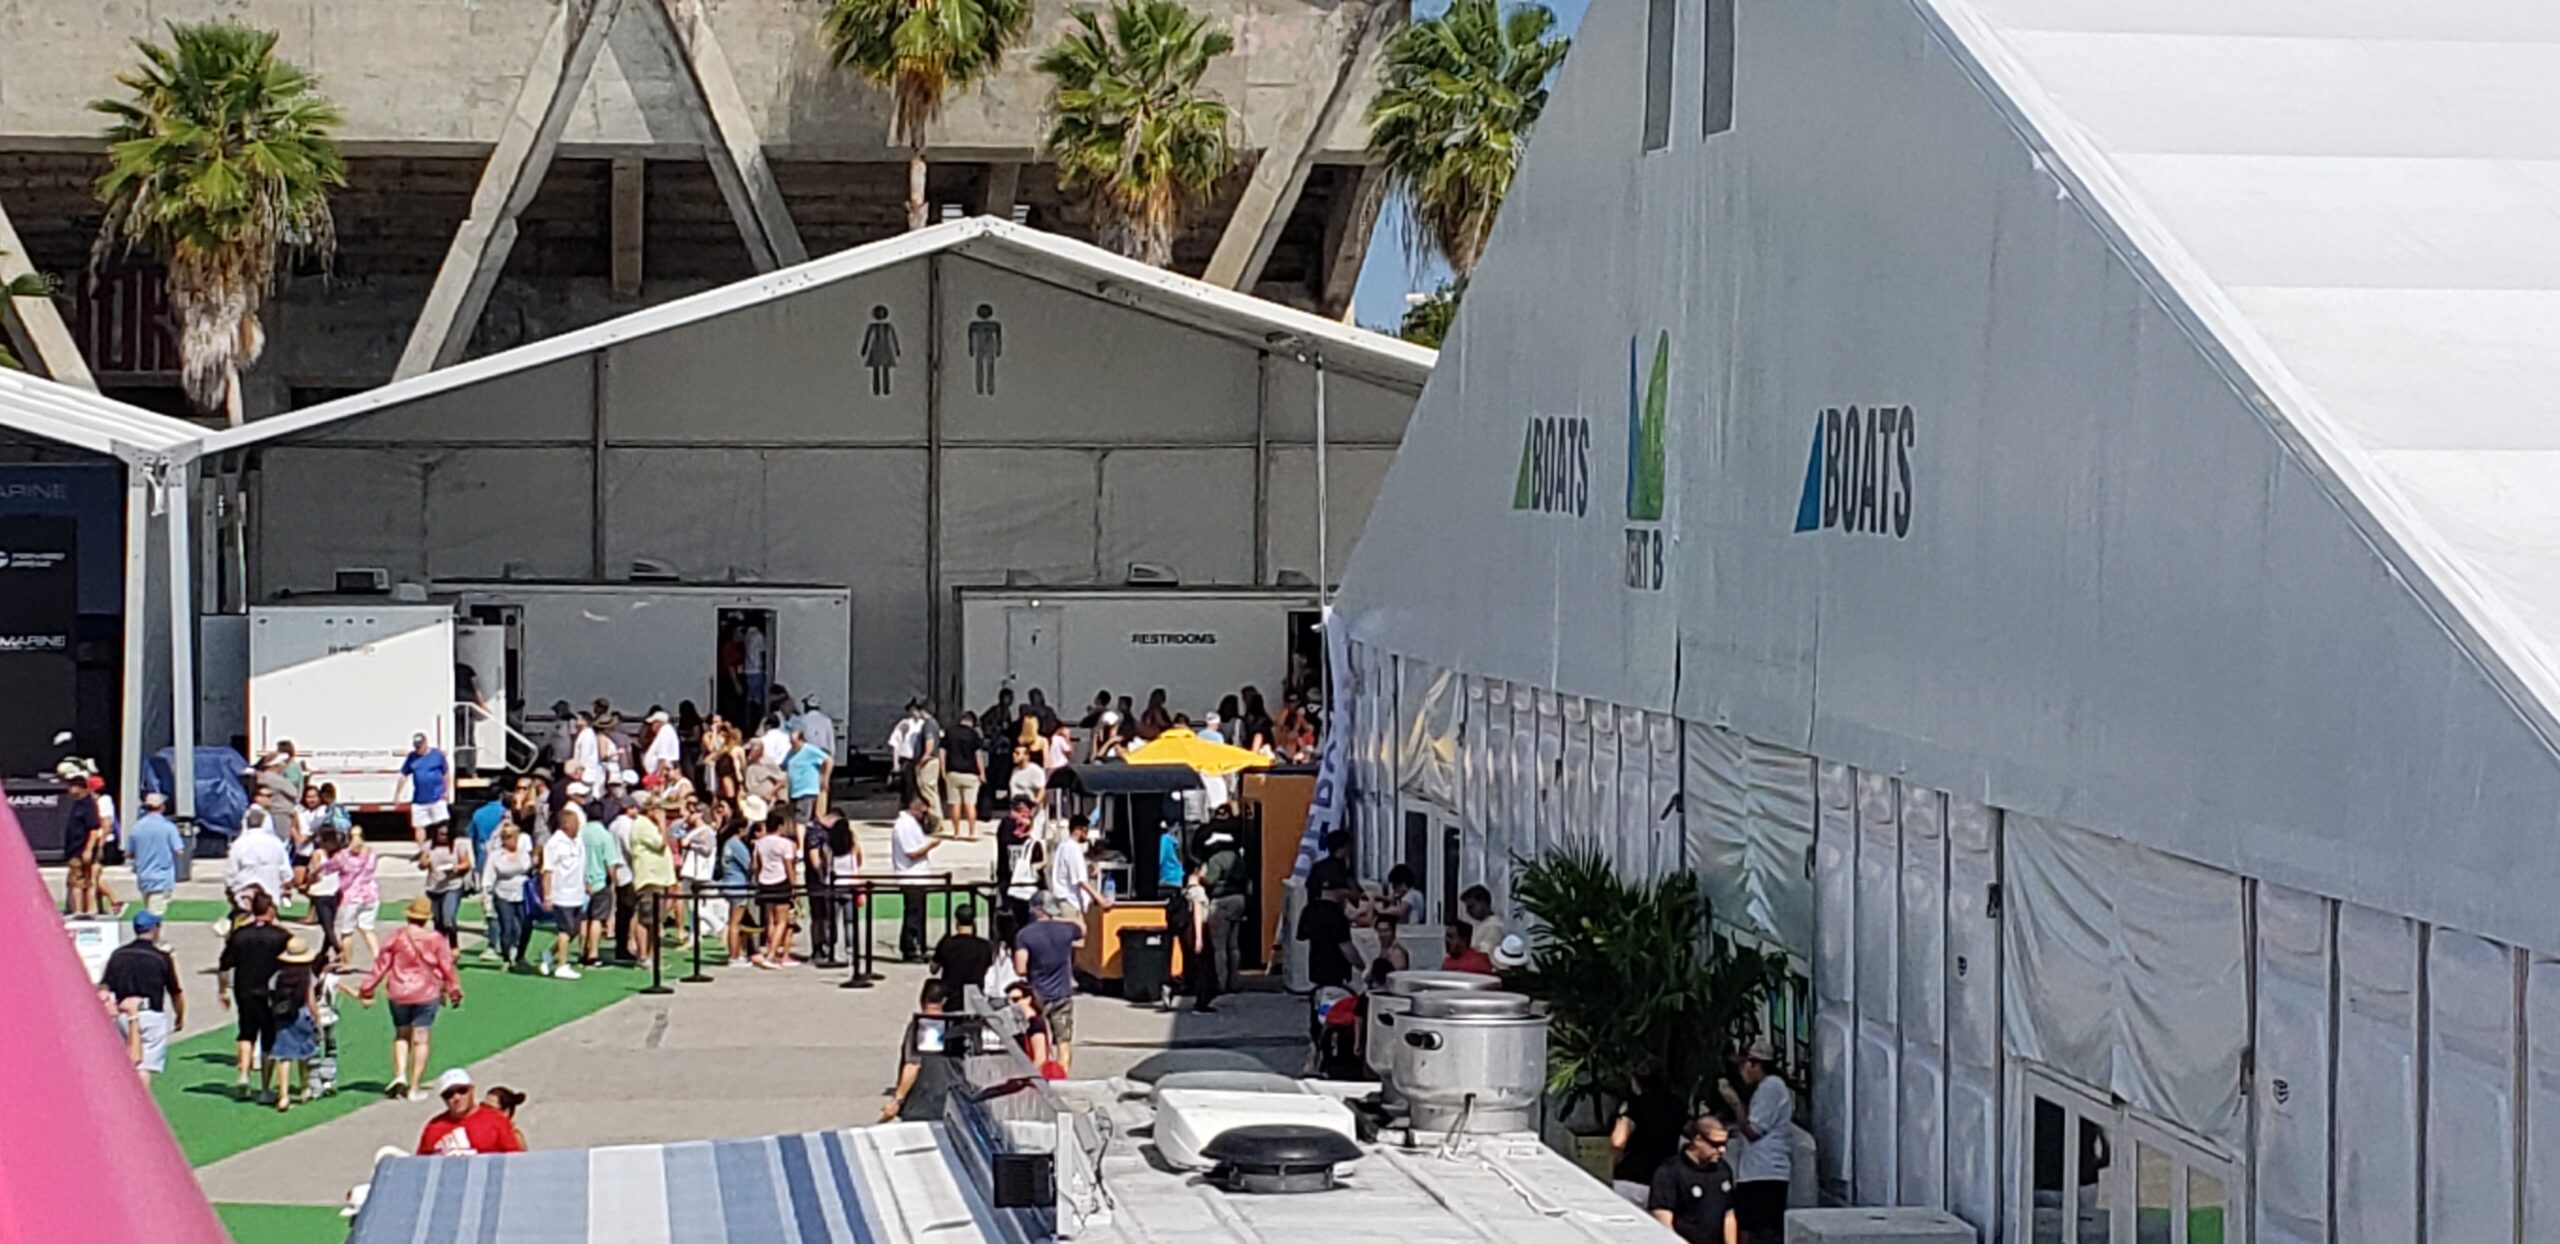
1762	1162
665	753
467	1126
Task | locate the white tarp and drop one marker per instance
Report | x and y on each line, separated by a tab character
1879	1001
1921	1172
1553	831
2542	1104
2376	1168
1973	1014
1603	791
1751	806
2128	971
1475	785
1526	843
2471	1077
1665	812
1835	979
1502	815
1428	702
1576	783
1635	791
2292	1070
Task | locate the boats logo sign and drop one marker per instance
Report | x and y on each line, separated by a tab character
1555	464
1857	480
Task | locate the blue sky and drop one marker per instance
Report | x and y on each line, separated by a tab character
1389	272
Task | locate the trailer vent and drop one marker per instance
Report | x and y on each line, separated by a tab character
363	581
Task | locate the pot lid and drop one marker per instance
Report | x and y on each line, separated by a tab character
1472	1004
1426	980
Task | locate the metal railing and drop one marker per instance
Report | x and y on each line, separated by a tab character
852	942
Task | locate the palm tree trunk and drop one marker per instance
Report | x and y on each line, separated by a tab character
231	396
915	186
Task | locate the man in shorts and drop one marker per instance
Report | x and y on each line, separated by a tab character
424	775
150	1004
247	968
1045	955
607	868
564	891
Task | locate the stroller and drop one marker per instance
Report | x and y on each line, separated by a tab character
323	1078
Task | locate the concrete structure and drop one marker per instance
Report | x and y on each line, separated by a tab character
976	403
2041	504
615	200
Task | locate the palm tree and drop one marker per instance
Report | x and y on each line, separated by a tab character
922	50
24	285
1130	124
1462	92
221	161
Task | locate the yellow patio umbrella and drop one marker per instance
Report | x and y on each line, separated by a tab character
1178	746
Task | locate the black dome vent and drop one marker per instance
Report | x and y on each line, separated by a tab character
1278	1158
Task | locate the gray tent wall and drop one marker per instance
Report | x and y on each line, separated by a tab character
752	441
2137	635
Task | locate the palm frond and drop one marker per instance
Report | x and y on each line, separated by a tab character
922	50
1461	93
220	161
1130	124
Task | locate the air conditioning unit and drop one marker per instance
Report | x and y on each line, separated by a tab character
1189	1120
409	593
363	581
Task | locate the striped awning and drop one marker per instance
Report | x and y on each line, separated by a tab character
873	1185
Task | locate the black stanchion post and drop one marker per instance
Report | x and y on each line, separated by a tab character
858	973
657	916
693	891
871	934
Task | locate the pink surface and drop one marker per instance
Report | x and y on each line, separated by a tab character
84	1154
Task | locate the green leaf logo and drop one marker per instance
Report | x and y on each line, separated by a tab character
1645	432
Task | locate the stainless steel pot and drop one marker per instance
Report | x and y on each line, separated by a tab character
1472	1061
1396	999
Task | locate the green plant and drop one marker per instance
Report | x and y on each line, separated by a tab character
1131	126
1630	977
222	159
24	285
1426	323
921	51
1461	93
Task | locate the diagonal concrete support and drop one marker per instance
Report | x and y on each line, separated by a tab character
729	139
1348	224
1281	173
509	181
1004	188
37	320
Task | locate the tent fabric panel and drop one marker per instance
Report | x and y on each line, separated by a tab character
1475	785
1973	1014
796	369
855	518
1877	1097
1026	511
1549	778
1357	411
702	514
325	509
495	510
1575	780
2375	1169
554	402
1602	794
1666	816
1352	478
1718	803
1780	799
1835	876
1526	787
1502	820
1636	820
2542	1100
2470	1078
1921	1171
2293	1032
1428	702
1189	510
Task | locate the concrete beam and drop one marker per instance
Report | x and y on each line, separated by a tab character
36	321
1280	175
630	205
508	182
1349	222
1004	186
730	139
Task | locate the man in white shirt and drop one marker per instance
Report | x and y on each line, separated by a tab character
586	754
1070	874
775	742
819	731
1477	902
911	847
259	859
564	891
1760	1152
665	753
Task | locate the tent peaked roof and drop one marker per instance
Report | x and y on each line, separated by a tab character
84	420
2357	207
1059	260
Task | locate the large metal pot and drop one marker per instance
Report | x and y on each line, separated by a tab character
1396	999
1472	1061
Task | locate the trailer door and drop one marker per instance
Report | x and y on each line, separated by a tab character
1032	649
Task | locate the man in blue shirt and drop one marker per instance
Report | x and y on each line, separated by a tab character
806	770
422	774
153	848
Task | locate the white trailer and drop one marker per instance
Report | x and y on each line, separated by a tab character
349	684
639	644
1199	644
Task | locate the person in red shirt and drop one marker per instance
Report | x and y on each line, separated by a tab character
1460	951
466	1127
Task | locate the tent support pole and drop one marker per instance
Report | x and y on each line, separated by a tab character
183	699
934	610
596	500
1324	547
1262	467
137	614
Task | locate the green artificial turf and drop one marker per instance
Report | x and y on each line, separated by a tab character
283	1224
500	1009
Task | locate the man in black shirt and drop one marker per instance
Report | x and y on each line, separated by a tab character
926	1073
248	967
961	958
964	772
1333	872
150	1004
1325	926
1693	1192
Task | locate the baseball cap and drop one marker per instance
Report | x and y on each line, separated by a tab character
453	1078
145	921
